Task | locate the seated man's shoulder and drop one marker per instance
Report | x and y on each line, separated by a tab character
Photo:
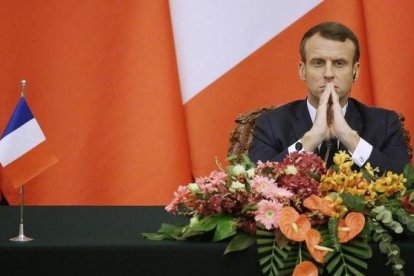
372	111
285	110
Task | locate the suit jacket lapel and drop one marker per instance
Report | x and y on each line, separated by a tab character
353	117
302	121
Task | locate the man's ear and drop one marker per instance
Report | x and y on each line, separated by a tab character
302	70
355	71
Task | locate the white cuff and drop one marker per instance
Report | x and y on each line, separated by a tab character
292	148
362	152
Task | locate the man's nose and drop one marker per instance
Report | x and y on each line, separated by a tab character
328	73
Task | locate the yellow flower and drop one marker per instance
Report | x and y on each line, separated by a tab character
370	170
354	182
342	157
390	184
339	209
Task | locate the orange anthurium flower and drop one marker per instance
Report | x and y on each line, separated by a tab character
293	225
305	268
314	202
318	252
350	227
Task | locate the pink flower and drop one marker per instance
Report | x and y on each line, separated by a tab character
213	183
180	196
261	184
268	213
267	188
277	192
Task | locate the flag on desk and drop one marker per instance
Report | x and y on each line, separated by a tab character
24	152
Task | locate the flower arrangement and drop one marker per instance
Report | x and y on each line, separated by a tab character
303	217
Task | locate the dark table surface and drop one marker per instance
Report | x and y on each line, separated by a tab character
107	241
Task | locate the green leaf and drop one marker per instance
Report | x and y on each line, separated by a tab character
330	267
240	242
356	261
249	207
335	167
188	232
265	241
409	174
353	202
156	236
207	223
278	261
226	227
231	158
393	250
367	175
333	232
398	267
169	228
411	197
362	253
288	271
248	162
410	226
354	270
265	259
359	243
264	249
264	233
283	254
362	246
173	231
315	176
329	256
266	268
339	271
383	246
274	269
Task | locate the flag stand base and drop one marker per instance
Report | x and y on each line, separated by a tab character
21	237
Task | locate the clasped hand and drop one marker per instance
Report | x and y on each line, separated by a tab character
330	123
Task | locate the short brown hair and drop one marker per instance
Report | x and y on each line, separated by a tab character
330	30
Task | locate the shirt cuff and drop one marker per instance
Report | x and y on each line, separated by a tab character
293	147
362	152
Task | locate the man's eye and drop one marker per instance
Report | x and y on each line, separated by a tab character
339	63
318	62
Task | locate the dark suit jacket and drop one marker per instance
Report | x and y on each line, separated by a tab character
276	130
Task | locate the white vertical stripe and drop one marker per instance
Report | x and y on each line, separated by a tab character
212	36
20	141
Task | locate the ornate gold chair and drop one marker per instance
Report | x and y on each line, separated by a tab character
242	135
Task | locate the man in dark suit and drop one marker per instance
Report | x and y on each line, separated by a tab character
329	118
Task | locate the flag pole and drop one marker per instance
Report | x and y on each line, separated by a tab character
21	237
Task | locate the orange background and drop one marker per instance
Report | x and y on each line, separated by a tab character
103	84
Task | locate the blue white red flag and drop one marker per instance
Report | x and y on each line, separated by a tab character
24	152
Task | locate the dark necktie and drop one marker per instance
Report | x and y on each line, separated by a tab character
328	150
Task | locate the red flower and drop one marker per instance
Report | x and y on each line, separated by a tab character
408	206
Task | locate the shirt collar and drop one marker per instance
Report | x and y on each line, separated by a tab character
312	110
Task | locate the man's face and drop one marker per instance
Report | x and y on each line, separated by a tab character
328	61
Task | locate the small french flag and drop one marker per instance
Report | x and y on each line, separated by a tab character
24	152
